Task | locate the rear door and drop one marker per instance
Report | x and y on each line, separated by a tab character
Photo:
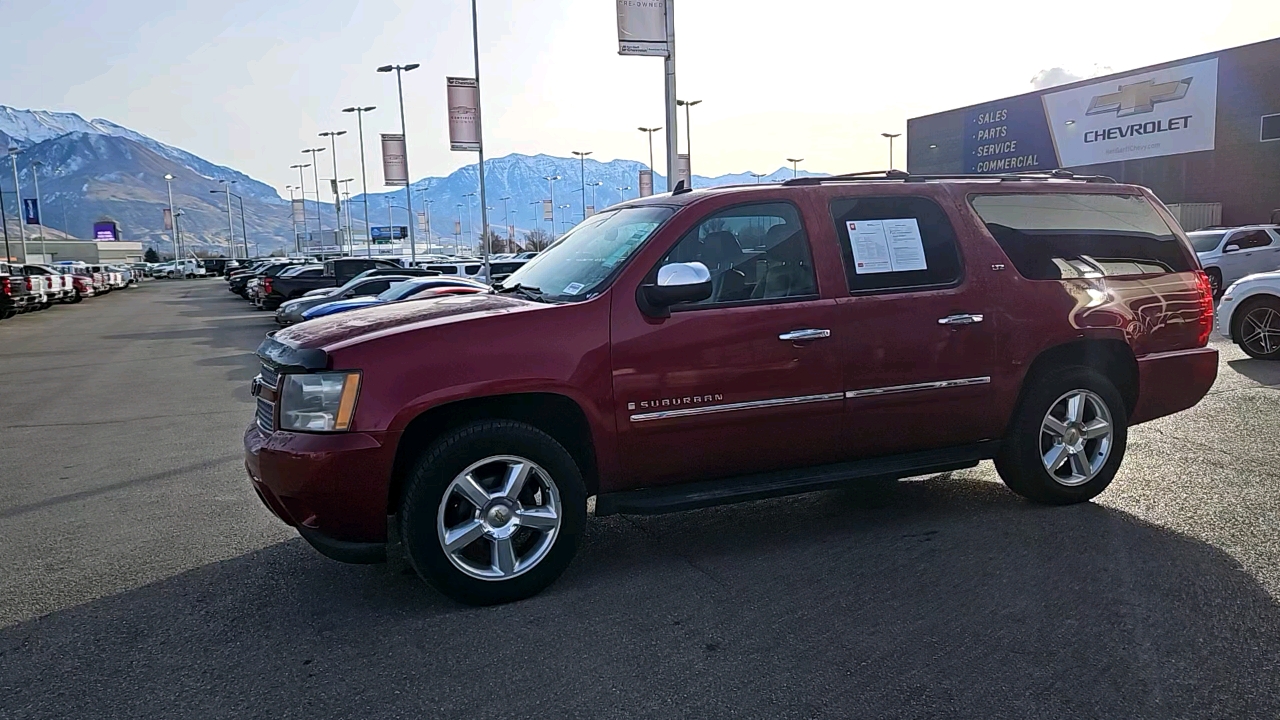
916	327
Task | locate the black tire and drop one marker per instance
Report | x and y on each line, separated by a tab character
1215	282
445	459
1239	332
1020	462
76	298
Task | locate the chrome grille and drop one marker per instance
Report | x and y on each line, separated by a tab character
265	412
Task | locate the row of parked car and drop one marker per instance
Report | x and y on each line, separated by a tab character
299	289
28	287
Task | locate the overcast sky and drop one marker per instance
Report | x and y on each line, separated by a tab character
249	84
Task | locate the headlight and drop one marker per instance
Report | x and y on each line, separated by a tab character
319	402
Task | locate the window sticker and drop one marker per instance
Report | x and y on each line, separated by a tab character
881	246
573	288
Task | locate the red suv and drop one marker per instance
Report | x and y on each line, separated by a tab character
729	344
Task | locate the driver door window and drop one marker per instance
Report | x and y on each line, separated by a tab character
1248	241
755	253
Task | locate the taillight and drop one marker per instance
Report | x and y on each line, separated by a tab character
266	286
1206	306
5	287
31	285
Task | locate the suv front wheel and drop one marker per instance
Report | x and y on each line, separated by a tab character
1067	440
492	512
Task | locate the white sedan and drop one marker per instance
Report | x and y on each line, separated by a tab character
1249	315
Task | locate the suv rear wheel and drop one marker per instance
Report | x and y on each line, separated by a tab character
1067	439
492	512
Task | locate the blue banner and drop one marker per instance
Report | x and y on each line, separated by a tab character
1008	136
398	232
31	211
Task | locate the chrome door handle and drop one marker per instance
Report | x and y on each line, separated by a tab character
961	319
810	334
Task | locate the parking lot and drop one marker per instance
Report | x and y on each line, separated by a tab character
141	577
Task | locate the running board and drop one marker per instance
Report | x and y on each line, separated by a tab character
691	496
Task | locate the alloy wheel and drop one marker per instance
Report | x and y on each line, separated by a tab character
1260	330
1076	437
499	517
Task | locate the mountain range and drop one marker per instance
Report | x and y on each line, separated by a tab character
91	170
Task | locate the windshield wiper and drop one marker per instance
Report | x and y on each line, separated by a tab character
532	293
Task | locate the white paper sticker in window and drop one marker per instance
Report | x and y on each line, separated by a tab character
573	288
881	246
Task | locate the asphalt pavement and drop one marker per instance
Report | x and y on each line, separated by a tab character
140	576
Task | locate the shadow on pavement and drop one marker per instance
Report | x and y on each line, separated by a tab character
955	600
1263	372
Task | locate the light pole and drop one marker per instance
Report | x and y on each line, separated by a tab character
364	178
297	239
537	210
315	176
891	136
506	220
17	191
231	229
623	191
757	176
582	177
795	166
688	133
35	177
302	188
594	209
484	214
168	181
427	205
408	182
457	232
346	195
551	183
471	223
563	215
650	131
337	204
244	232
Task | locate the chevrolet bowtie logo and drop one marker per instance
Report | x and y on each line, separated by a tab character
1138	98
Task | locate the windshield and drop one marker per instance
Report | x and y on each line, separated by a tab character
1205	242
576	265
399	290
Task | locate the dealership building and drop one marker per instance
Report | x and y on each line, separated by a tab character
1203	133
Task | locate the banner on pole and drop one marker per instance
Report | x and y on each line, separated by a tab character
31	211
422	221
547	210
457	227
511	232
463	98
591	210
642	27
683	172
168	219
646	183
395	168
299	211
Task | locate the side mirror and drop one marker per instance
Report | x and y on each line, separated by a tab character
1230	248
677	283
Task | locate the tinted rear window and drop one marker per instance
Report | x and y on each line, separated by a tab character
1056	236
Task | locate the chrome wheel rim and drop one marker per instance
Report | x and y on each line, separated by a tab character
1076	437
1260	330
499	517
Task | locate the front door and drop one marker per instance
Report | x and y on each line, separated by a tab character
917	333
746	381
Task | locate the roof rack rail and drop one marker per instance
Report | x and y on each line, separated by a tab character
907	177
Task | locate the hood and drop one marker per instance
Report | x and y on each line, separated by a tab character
1272	276
401	317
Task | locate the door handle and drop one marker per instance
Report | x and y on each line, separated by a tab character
809	334
961	319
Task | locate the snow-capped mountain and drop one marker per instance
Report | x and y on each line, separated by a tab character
95	169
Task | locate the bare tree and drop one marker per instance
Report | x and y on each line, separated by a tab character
536	239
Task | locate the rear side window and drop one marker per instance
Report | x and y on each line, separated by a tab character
1057	236
895	243
1249	240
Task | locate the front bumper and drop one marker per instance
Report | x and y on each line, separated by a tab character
334	488
1171	382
